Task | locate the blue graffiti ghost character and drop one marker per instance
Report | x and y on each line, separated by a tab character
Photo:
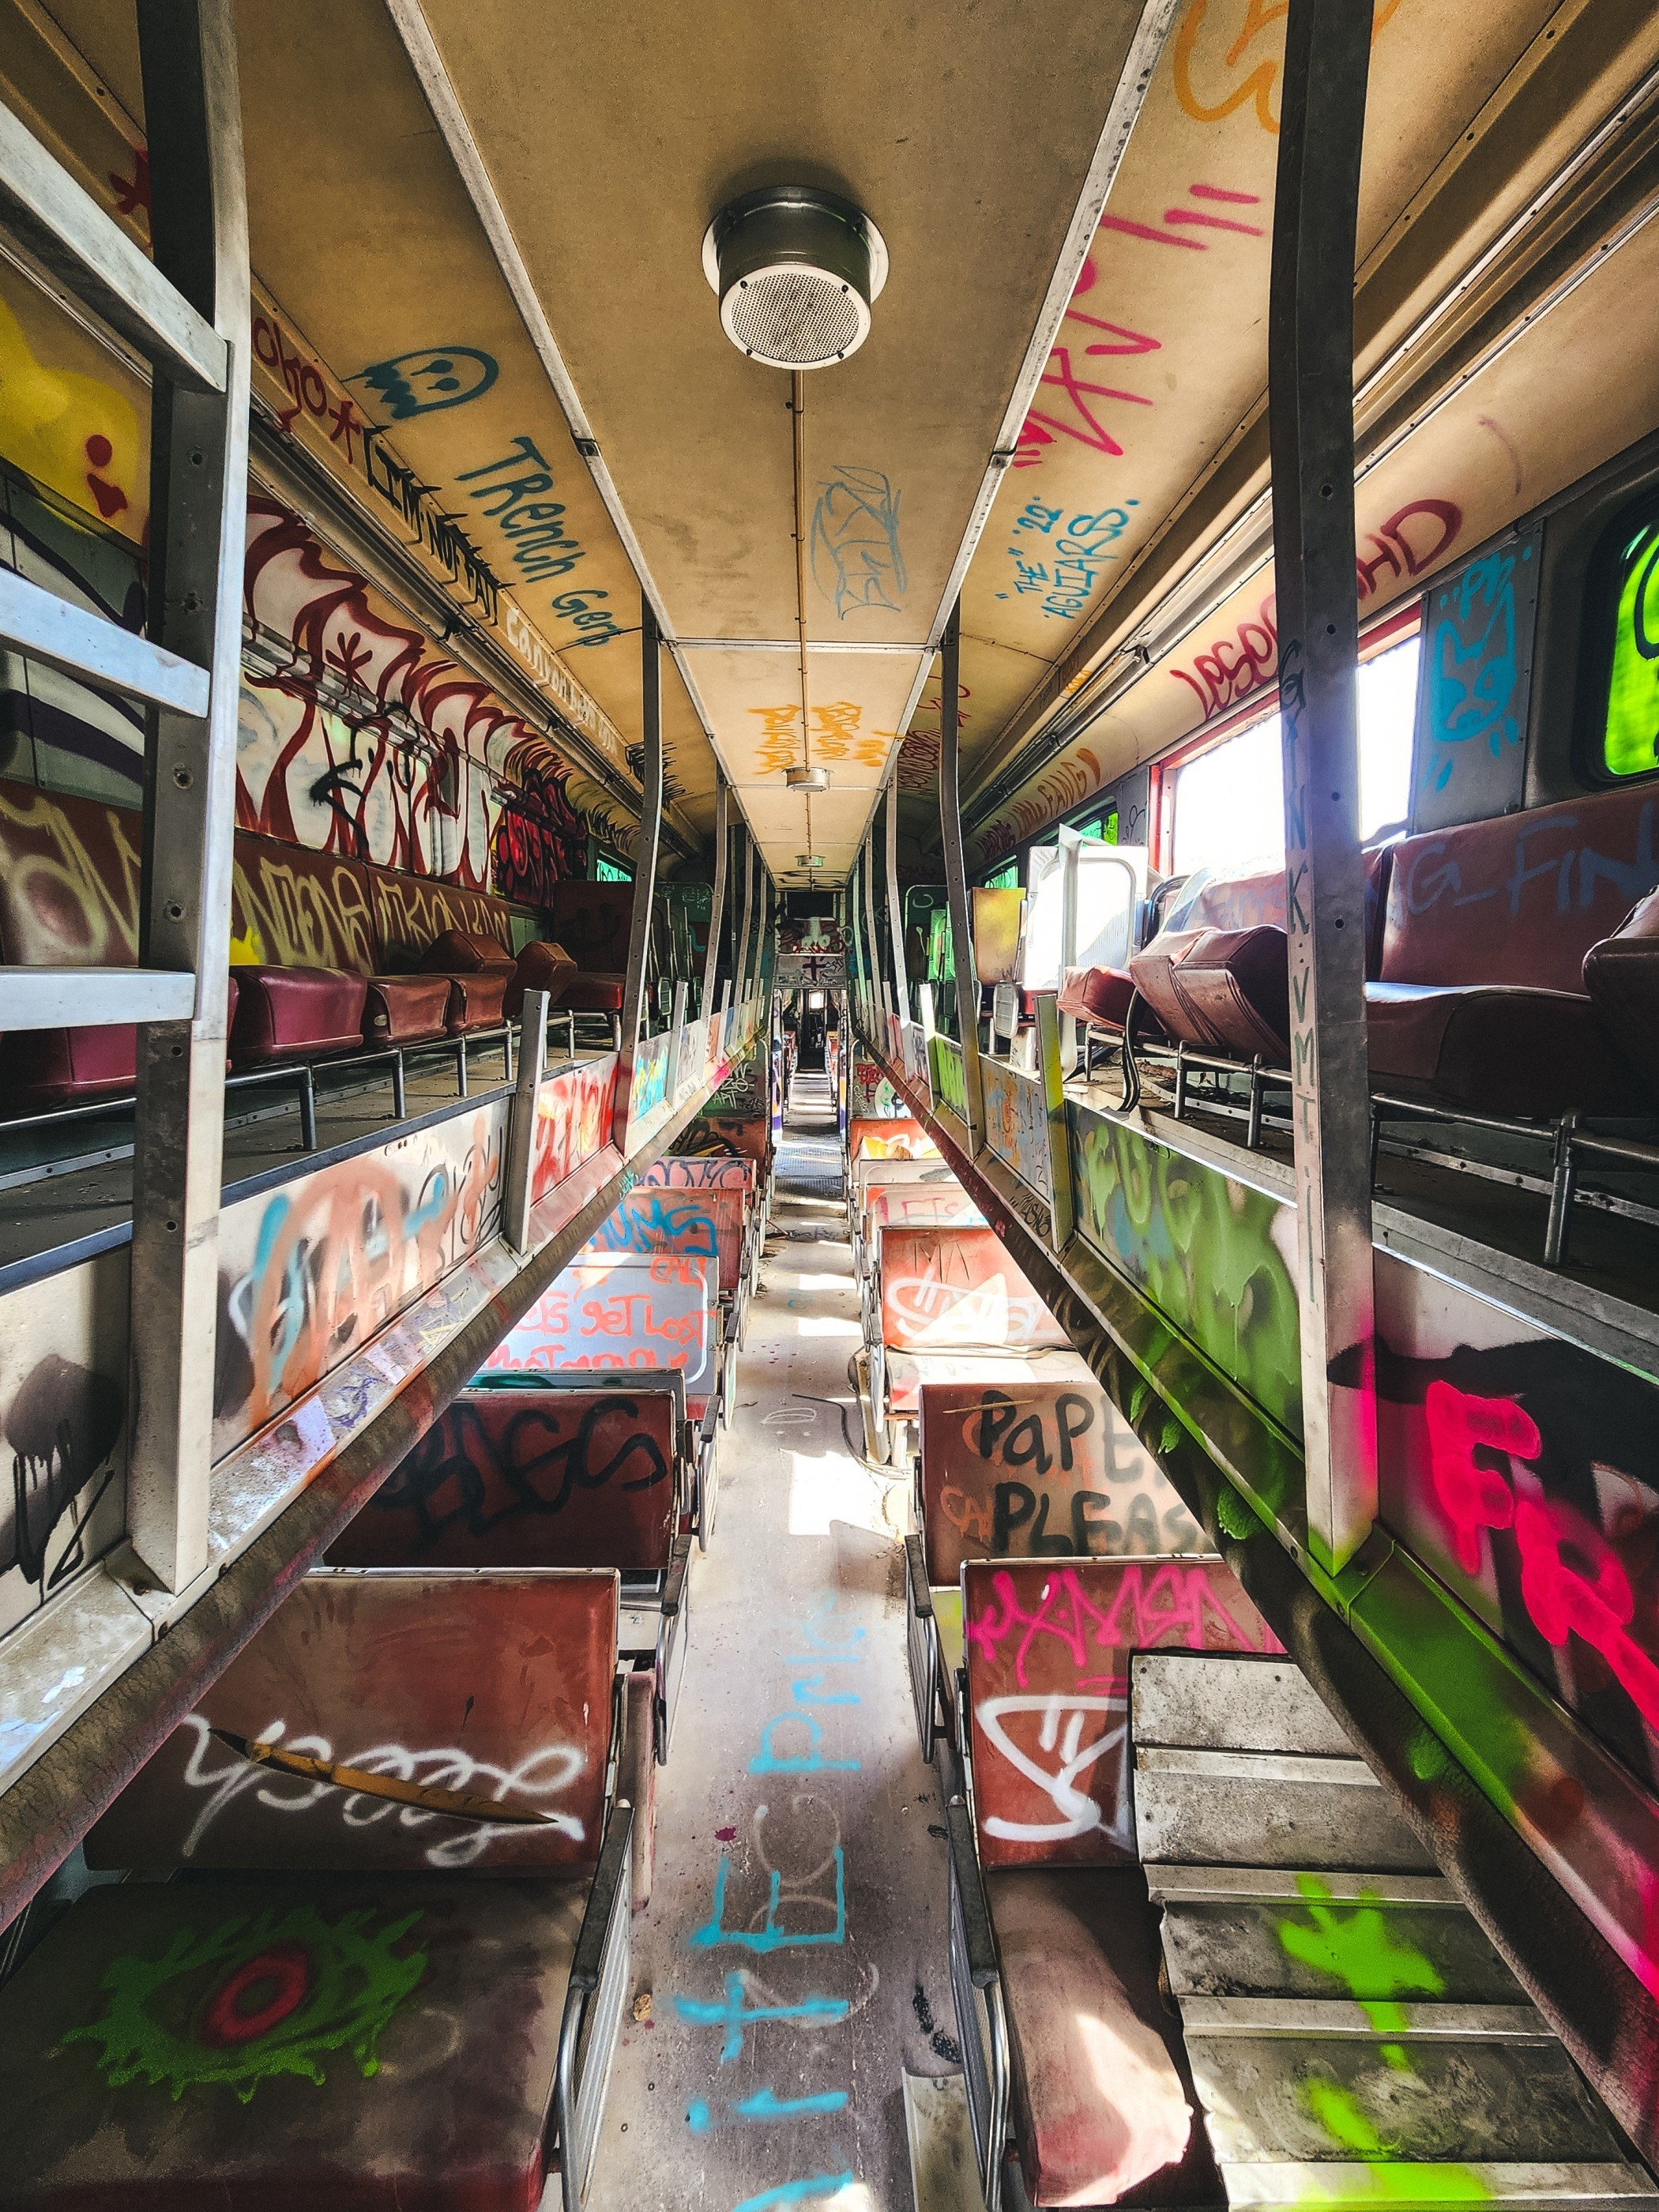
434	377
1473	666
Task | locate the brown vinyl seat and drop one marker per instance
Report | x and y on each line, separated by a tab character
295	1013
1621	974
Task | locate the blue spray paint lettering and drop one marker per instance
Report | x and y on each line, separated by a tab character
764	2106
771	1937
767	1760
733	2017
823	1696
796	2193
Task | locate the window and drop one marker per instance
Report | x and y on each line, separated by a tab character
610	871
1629	576
1102	823
1006	878
1229	800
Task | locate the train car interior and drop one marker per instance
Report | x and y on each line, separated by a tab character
829	1106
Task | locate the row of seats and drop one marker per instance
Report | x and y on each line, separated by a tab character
1512	966
396	1971
1199	1959
329	956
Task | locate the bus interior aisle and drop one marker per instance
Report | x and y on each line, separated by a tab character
829	1106
791	1965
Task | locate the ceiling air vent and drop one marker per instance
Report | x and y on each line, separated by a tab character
796	270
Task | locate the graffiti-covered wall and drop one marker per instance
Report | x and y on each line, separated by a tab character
357	736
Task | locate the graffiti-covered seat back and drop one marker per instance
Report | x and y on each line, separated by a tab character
946	1287
1039	1470
485	1698
623	1312
592	921
530	1477
1048	1645
893	1138
707	1223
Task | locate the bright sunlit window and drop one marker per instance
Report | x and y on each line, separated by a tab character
1230	801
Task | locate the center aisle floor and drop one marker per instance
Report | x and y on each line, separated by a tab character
794	1953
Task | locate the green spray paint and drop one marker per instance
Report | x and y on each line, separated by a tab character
1357	1948
1201	1247
291	1988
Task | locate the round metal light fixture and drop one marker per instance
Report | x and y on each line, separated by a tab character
807	779
796	270
809	859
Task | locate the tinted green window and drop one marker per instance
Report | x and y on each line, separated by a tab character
1630	744
607	871
1104	826
1006	878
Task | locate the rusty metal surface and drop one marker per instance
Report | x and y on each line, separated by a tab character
1034	1470
527	1478
1048	1645
498	1685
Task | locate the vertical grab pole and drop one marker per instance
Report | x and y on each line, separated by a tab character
645	873
1310	388
521	1122
877	986
748	927
895	905
199	507
717	909
956	876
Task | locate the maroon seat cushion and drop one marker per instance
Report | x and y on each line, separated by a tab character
463	952
48	1068
1621	974
1153	972
406	1009
1521	898
1236	982
1099	996
295	1013
326	2042
1496	1049
593	995
1103	2100
542	966
475	1001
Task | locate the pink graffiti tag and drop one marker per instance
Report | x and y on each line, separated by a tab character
1169	1605
1593	1600
1474	1498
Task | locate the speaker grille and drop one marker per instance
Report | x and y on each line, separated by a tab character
797	318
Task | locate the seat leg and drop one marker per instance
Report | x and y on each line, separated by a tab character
460	1066
307	1110
615	1032
400	1086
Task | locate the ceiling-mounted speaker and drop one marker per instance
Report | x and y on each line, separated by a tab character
806	779
796	270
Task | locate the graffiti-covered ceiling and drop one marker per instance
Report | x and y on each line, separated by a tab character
1122	592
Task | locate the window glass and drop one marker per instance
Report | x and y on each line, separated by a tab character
1230	801
608	872
1006	878
1629	742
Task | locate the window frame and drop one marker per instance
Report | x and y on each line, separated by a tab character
1598	634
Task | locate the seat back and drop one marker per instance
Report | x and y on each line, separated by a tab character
412	912
592	922
1048	1647
705	1224
620	1312
942	1288
498	1685
69	872
918	1206
530	1477
1520	899
699	1172
895	1138
291	907
1039	1470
